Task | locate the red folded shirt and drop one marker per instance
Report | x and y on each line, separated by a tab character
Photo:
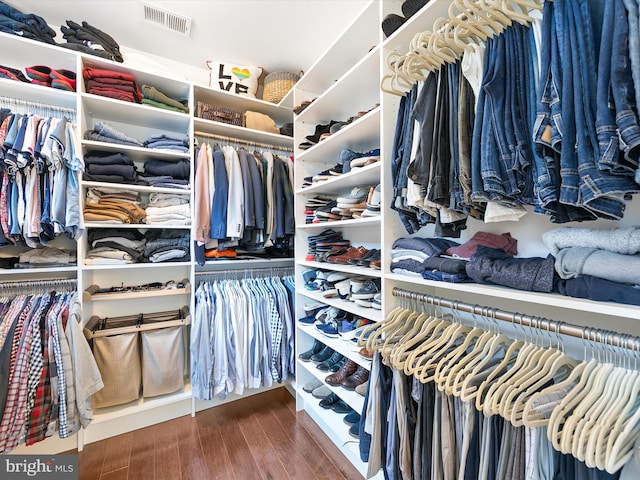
504	242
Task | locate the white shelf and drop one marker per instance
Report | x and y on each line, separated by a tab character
38	93
345	347
351	307
355	222
128	113
351	398
241	133
141	405
367	176
136	266
361	135
135	188
135	225
337	267
134	153
38	270
331	104
547	299
335	428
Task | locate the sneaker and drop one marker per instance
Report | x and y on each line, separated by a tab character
357	195
368	290
354	431
367	158
329	329
364	303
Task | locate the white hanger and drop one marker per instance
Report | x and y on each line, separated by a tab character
411	363
399	355
425	371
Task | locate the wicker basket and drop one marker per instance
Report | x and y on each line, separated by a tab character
220	114
277	85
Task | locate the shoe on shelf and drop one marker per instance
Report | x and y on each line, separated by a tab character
411	7
306	356
322	355
334	359
354	431
312	385
391	23
377	264
377	301
365	353
328	401
337	366
373	200
348	369
372	156
357	195
353	252
352	418
321	392
362	388
364	303
364	260
368	290
341	407
360	376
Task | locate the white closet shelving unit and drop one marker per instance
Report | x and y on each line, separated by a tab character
343	82
138	121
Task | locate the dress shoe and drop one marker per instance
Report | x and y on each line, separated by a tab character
348	369
330	362
360	376
341	407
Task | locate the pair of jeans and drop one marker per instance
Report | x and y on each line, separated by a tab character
401	153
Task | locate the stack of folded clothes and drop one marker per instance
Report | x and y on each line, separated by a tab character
112	84
109	167
111	246
169	209
167	246
46	257
598	264
88	39
409	254
26	25
167	169
113	206
104	132
152	96
163	141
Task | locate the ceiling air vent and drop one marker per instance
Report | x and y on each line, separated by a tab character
166	19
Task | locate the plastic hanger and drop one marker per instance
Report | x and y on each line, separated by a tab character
449	361
456	333
370	335
396	335
411	363
486	16
400	354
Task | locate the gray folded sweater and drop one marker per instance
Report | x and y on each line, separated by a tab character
573	262
620	240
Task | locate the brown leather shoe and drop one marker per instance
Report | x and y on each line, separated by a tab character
348	369
365	353
376	264
353	252
360	376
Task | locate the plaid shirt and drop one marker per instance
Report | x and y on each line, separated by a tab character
58	384
40	413
13	416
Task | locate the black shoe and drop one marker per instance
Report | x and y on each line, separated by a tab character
354	431
341	407
352	418
338	365
306	356
330	362
328	402
322	355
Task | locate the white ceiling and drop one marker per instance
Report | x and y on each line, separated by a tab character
285	35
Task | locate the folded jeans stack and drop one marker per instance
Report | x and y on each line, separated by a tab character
167	208
105	132
111	246
163	141
167	246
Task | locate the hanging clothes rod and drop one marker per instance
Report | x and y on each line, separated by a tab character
557	327
17	102
244	142
249	271
39	284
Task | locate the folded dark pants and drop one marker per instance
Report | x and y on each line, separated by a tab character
129	234
99	158
430	246
126	171
446	265
599	289
494	266
179	169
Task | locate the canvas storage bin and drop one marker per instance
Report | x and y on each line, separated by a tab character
220	114
118	359
277	85
162	361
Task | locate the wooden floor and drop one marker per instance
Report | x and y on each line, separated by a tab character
260	437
